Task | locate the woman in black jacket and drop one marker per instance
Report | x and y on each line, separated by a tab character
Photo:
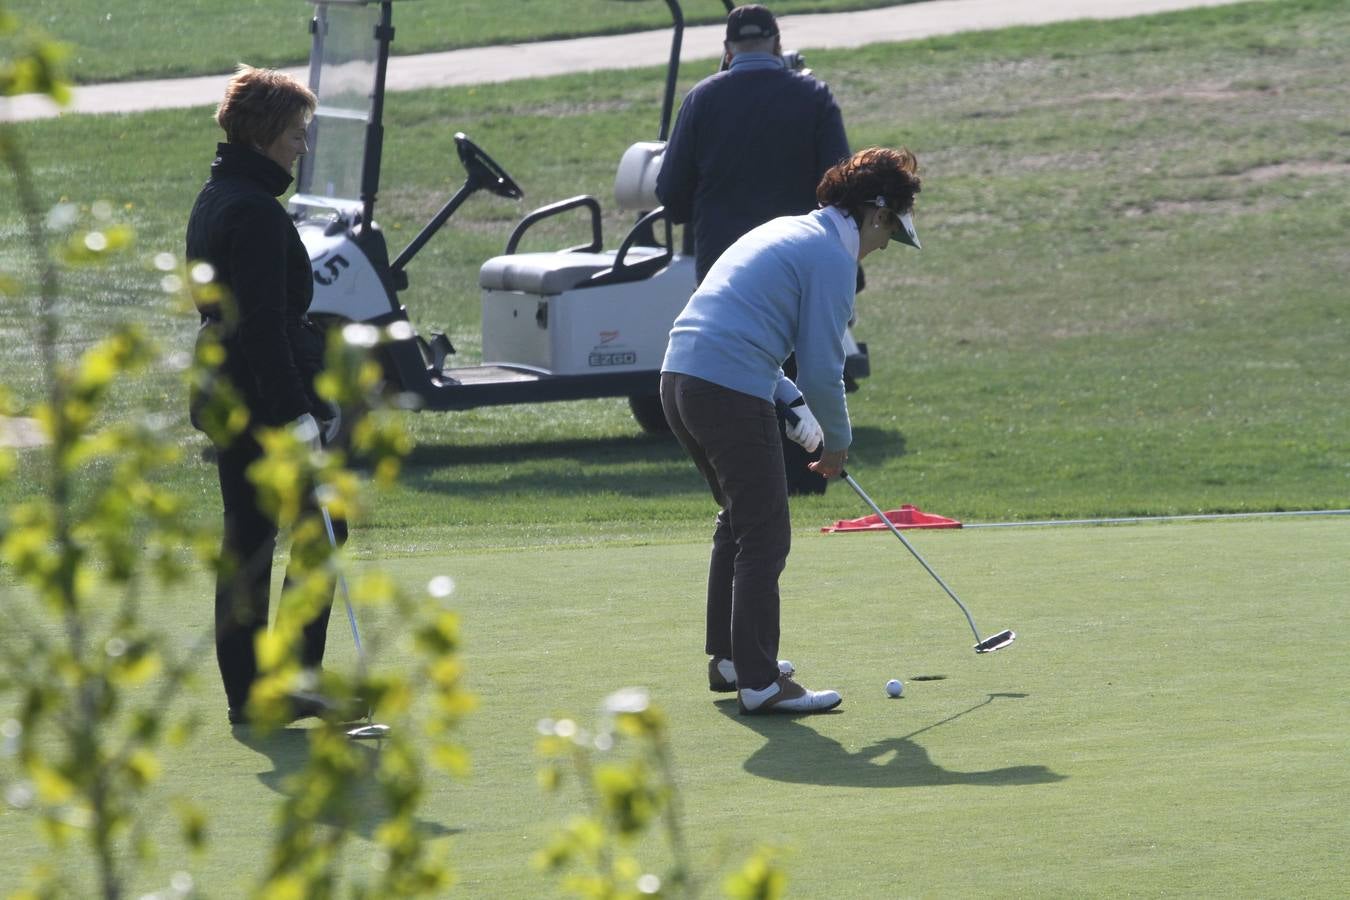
272	352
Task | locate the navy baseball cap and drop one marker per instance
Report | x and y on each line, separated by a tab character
750	23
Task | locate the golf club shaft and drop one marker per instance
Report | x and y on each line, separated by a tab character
910	547
370	730
342	586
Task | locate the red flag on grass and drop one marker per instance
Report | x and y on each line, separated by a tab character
907	516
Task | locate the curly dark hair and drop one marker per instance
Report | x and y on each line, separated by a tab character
868	174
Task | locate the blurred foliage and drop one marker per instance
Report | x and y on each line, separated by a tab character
626	779
90	676
30	62
92	680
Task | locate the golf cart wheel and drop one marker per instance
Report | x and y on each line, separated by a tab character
647	410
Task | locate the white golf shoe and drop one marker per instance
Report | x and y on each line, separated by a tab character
786	696
722	673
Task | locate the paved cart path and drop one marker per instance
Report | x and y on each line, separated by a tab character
481	65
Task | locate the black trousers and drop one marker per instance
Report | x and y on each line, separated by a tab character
243	586
734	441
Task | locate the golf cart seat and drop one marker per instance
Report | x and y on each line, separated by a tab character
638	257
585	310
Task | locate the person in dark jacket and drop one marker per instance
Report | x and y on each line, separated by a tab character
750	144
272	351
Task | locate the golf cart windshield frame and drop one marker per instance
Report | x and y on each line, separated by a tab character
348	59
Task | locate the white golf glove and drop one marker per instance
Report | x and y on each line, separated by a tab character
306	430
330	426
806	430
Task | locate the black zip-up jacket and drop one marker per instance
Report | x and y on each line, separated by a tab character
238	227
749	145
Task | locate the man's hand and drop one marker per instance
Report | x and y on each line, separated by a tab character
805	431
830	464
306	431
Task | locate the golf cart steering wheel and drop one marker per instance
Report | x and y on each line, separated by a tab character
484	170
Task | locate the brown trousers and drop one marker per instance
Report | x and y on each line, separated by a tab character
734	441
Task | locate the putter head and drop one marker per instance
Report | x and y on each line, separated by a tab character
996	641
369	733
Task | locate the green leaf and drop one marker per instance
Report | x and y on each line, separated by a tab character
143	767
36	69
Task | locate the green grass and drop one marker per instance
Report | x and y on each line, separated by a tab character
1130	300
114	40
1165	719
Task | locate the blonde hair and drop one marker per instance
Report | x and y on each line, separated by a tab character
260	104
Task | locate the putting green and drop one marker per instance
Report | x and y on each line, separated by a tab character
1169	721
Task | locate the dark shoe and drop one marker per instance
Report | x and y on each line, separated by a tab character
309	706
786	696
722	673
306	705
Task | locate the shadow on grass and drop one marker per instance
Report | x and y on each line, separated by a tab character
795	753
288	751
630	448
585	467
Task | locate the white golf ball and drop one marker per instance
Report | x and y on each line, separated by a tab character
895	687
786	667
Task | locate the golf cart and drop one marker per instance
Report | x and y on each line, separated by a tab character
571	324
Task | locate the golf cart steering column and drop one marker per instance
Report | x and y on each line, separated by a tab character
483	172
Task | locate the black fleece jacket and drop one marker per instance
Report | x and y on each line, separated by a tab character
238	227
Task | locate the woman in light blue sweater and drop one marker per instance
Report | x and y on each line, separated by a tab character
785	287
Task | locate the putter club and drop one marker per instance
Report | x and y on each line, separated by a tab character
370	730
982	645
342	586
